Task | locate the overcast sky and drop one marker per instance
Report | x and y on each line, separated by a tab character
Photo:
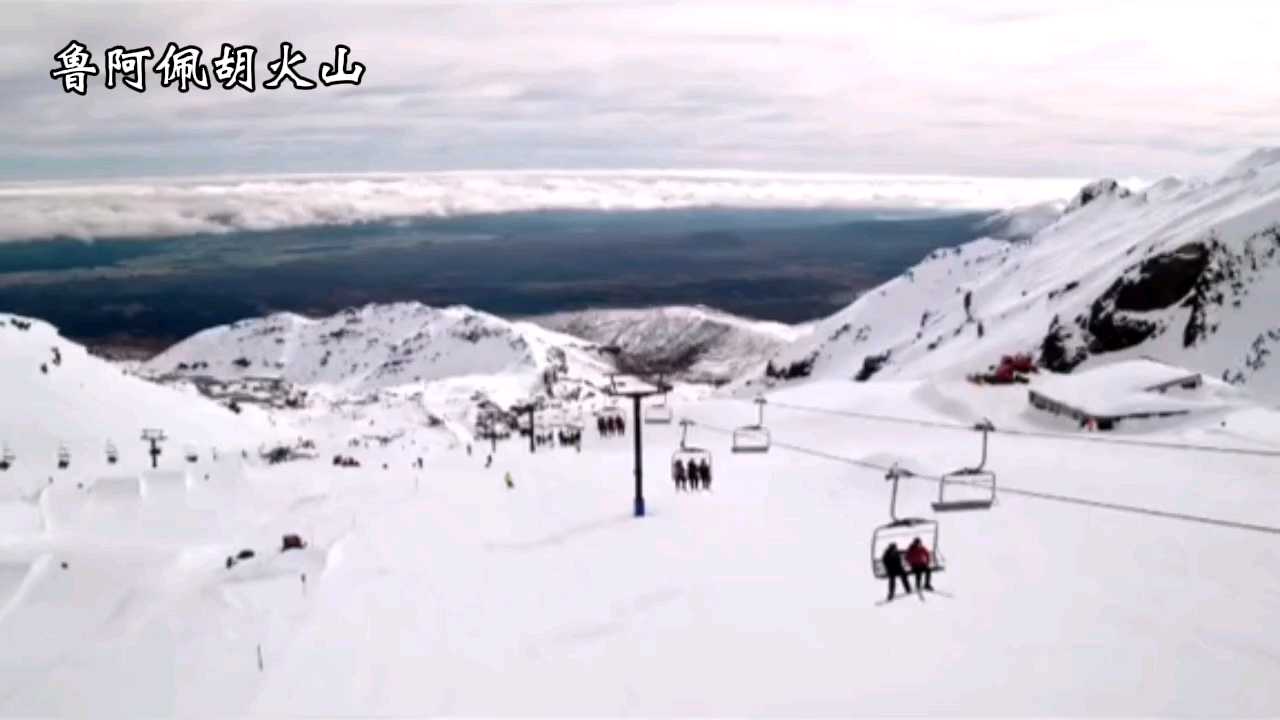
1074	89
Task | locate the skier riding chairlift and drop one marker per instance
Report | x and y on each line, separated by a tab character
697	459
902	529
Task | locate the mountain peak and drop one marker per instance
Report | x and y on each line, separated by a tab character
1097	189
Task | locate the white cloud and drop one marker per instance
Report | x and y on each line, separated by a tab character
188	206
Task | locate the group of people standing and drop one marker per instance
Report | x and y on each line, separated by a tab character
693	475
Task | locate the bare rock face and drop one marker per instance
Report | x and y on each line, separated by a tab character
1161	280
1105	187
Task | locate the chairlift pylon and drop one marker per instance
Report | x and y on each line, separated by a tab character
979	479
901	531
753	438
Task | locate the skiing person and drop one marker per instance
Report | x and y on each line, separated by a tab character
892	560
510	483
919	560
488	461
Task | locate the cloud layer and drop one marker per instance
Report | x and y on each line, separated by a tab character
156	208
999	87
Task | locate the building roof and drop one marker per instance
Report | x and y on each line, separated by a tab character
1123	388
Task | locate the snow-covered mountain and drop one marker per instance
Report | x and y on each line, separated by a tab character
1186	272
393	370
374	347
697	344
58	395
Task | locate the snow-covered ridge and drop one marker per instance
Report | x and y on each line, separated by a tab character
697	344
57	394
371	347
1187	272
185	206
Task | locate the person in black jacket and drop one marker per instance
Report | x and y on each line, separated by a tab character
893	568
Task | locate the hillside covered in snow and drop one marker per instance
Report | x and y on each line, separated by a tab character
697	344
1186	272
372	347
58	396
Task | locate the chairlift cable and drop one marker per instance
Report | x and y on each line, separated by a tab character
1029	433
1036	494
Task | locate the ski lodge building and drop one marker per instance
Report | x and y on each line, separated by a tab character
1128	390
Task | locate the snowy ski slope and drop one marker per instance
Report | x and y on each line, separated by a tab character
1185	272
440	591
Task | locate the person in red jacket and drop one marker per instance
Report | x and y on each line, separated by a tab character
919	560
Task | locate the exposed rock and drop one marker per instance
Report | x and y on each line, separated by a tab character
871	365
1094	190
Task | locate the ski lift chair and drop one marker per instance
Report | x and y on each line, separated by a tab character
902	531
968	488
612	413
687	452
753	438
659	413
64	457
